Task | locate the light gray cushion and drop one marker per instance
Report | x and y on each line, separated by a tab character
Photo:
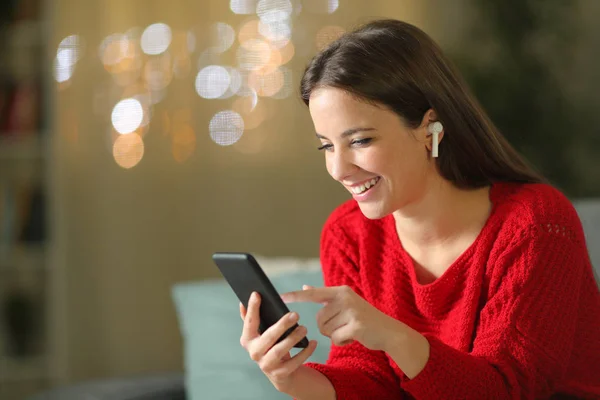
169	386
216	366
589	213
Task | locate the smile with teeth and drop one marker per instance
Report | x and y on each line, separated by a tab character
364	187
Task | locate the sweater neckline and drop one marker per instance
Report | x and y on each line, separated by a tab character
494	196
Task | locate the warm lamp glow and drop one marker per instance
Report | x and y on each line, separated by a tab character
128	150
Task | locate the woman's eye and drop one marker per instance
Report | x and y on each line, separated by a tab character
325	147
361	142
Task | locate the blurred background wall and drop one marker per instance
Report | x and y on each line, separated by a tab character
174	129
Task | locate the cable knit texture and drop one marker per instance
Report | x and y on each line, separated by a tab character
516	316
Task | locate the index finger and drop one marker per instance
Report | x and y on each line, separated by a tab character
252	320
312	295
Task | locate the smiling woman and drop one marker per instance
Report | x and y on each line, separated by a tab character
455	271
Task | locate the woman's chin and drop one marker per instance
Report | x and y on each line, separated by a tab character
372	211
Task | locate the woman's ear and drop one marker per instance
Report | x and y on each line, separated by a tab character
430	118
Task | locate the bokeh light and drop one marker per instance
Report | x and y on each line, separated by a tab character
158	72
208	57
182	66
271	11
266	84
128	150
249	30
244	89
222	36
139	91
253	54
127	115
180	54
129	69
287	87
212	81
287	53
122	57
62	73
278	33
70	50
143	62
113	49
252	111
191	42
156	39
320	6
246	104
156	96
134	33
273	63
143	95
226	127
332	6
183	143
235	83
243	6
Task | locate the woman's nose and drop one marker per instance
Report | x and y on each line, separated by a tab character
341	165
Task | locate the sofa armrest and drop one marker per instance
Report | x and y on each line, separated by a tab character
156	387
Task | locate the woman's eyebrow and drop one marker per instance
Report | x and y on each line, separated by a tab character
348	132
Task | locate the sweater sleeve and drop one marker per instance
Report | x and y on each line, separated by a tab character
357	373
527	326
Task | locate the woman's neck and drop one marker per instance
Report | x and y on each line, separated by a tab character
443	216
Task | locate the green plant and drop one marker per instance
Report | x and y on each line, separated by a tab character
516	57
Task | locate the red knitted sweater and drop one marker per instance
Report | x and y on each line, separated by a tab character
516	316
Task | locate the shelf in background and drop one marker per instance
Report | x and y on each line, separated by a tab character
24	34
23	258
21	147
26	369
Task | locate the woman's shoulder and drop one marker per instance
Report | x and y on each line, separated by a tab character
527	206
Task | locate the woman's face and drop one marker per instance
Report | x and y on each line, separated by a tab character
383	163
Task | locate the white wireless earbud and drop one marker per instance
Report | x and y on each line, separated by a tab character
435	129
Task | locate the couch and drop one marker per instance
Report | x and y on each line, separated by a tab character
216	366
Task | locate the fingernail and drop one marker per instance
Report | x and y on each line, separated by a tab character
293	316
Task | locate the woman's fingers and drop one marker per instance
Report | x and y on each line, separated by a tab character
242	311
251	320
326	314
280	350
299	359
272	335
332	323
342	335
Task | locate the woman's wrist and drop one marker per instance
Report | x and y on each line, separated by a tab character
309	384
408	348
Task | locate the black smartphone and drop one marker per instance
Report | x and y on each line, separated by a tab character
244	275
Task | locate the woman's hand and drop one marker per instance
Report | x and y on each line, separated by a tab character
274	358
346	316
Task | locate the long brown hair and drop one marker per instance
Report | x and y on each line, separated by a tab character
395	64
